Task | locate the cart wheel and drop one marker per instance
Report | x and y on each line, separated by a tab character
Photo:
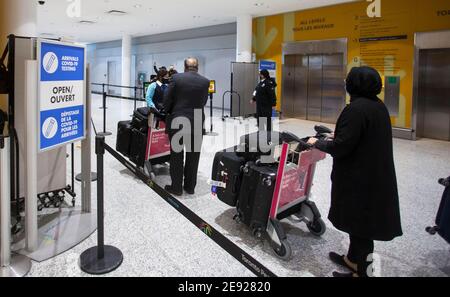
317	227
47	205
285	251
257	233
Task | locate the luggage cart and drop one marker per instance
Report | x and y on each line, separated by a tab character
292	191
292	196
158	143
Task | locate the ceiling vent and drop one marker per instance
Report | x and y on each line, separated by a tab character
116	12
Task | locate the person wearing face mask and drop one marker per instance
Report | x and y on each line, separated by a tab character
265	99
156	90
364	194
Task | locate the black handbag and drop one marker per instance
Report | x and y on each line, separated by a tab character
4	87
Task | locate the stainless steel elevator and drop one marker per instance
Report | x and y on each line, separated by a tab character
433	118
313	87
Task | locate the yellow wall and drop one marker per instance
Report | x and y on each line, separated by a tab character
399	17
3	35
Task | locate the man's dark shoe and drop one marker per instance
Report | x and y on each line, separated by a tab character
189	191
173	191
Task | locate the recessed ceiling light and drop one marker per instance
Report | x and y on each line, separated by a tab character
86	22
258	4
137	6
116	12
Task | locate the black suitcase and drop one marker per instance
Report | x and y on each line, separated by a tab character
123	143
255	197
138	147
140	119
261	143
443	216
227	169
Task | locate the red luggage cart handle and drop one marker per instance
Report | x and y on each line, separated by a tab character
279	181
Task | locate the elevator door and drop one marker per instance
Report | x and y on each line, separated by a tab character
313	87
434	94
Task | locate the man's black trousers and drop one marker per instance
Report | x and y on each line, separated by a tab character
190	145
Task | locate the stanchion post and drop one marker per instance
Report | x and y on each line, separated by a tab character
100	152
100	259
211	133
135	98
104	112
104	133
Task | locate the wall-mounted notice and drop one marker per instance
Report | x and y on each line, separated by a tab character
62	91
270	66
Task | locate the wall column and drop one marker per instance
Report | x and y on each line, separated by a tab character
126	64
244	38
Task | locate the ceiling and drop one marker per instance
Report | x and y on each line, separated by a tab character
148	17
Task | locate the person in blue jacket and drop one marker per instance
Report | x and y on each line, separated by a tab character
155	92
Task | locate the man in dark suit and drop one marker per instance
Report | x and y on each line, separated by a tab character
184	102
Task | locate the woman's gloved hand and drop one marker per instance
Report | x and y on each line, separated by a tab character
312	141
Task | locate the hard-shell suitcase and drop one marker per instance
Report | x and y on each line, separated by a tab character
138	147
227	170
261	143
255	197
443	216
123	143
140	119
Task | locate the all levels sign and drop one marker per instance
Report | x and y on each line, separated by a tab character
62	71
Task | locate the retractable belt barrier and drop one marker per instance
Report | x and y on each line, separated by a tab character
239	254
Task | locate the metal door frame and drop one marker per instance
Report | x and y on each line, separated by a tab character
316	47
422	41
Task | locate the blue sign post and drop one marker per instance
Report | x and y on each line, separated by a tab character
62	91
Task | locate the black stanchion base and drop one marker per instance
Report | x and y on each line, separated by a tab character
93	177
90	263
212	134
104	134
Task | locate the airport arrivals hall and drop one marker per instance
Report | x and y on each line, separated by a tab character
225	139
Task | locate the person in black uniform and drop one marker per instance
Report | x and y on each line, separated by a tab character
265	98
364	195
184	102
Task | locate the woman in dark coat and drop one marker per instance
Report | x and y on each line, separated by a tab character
364	196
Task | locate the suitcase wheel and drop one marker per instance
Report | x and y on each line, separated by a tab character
285	251
431	230
258	233
317	227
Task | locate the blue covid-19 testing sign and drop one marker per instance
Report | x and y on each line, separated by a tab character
61	94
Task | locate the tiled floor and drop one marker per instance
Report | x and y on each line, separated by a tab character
157	241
